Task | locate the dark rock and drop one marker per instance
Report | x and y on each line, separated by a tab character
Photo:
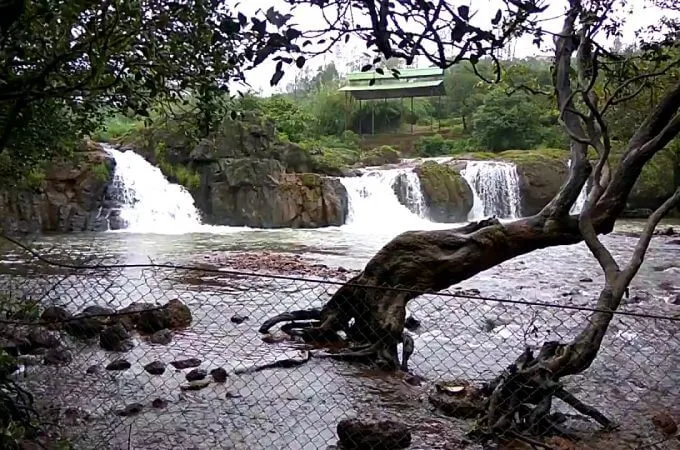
131	409
674	242
675	300
186	363
57	356
159	403
586	280
55	317
196	374
84	325
668	231
94	369
275	338
355	434
230	394
161	337
132	312
414	380
155	368
665	423
119	364
115	338
41	338
195	385
219	375
173	315
411	323
458	398
237	319
489	325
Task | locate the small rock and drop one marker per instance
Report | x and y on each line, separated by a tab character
219	375
355	434
94	369
55	316
179	314
41	338
119	364
155	368
195	385
57	356
411	323
172	315
674	242
159	403
237	319
161	337
489	325
186	363
665	423
586	280
275	337
230	394
196	374
115	338
675	300
85	326
131	409
132	313
414	380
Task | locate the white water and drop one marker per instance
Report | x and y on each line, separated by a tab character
412	192
374	207
495	187
150	203
581	200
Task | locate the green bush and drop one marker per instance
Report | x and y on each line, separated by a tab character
101	172
117	127
429	146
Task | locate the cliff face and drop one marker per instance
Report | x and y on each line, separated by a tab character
71	196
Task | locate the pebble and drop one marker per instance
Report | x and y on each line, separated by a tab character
186	363
131	409
159	403
119	364
195	385
219	375
238	319
155	368
196	374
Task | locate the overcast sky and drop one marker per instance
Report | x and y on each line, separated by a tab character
644	14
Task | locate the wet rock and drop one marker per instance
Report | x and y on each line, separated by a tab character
238	319
173	315
119	364
414	380
161	337
665	423
132	313
675	300
155	368
586	280
637	297
447	195
186	363
668	231
55	316
131	410
89	323
355	434
674	242
411	323
196	374
219	375
160	403
94	369
115	338
489	325
195	385
41	338
458	398
230	394
275	338
57	356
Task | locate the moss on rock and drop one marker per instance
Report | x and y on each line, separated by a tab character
379	156
447	195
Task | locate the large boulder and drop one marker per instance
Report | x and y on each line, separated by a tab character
69	198
447	195
173	315
359	434
259	193
540	180
380	156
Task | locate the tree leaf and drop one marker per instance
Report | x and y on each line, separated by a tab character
276	77
464	12
497	18
367	67
300	62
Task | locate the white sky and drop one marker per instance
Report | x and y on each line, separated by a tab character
643	14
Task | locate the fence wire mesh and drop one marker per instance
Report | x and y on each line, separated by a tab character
156	357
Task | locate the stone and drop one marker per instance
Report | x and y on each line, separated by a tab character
195	385
85	326
674	242
57	357
380	156
155	368
186	363
94	369
161	337
675	299
230	394
586	280
173	315
411	323
131	410
41	338
458	398
238	319
55	317
665	423
356	434
132	312
447	196
159	403
118	364
196	374
219	375
115	338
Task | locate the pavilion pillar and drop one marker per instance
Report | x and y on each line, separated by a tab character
360	118
373	117
412	116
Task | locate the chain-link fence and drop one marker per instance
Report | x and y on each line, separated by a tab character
155	357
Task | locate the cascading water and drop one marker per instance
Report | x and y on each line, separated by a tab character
581	200
495	187
406	186
149	202
374	205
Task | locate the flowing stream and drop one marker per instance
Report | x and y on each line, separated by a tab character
495	186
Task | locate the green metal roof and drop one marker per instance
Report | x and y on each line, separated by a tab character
403	74
400	88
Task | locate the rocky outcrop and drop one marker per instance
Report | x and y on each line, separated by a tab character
70	198
260	193
447	195
539	181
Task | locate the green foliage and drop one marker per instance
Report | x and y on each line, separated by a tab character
504	122
289	118
117	127
429	146
176	173
102	172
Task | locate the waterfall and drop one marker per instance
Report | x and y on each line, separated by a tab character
495	187
149	202
374	205
581	200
